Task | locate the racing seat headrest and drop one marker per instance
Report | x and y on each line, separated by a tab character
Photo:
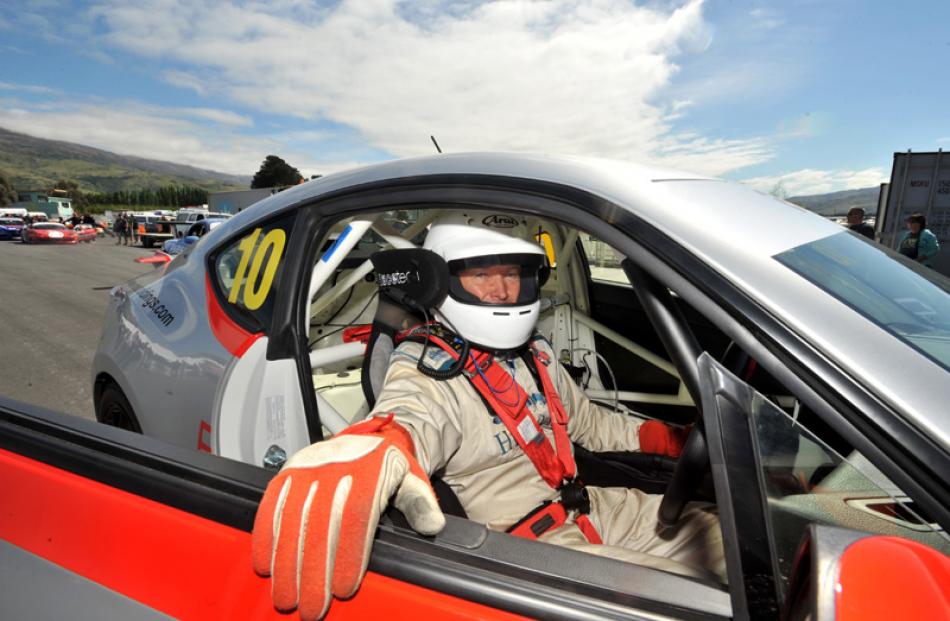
411	281
413	277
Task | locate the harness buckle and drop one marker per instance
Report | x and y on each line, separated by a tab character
574	496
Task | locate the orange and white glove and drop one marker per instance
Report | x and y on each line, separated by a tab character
315	525
662	439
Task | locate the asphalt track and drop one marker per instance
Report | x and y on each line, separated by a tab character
52	301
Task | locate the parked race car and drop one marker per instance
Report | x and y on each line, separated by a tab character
10	228
195	232
48	233
188	216
812	362
85	232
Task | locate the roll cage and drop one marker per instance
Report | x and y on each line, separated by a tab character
343	268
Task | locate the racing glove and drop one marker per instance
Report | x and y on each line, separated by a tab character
315	525
662	439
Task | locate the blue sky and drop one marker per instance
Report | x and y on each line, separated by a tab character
804	95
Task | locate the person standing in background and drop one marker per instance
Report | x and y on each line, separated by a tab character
918	242
120	229
857	224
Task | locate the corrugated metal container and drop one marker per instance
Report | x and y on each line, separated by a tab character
920	182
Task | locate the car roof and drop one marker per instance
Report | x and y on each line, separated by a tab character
733	228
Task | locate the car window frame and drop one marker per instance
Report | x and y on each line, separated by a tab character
740	492
237	314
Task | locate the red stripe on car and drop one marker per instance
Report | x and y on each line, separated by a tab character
233	337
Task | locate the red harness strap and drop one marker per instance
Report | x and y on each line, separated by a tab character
509	402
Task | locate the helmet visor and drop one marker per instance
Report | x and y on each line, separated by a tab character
497	280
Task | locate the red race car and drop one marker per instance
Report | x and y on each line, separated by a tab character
48	232
85	232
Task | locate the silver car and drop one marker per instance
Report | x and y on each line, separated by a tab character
817	362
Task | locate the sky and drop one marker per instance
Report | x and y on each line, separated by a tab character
794	96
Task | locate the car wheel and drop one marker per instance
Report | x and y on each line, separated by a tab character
115	410
147	242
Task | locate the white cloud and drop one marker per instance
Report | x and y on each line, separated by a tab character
225	117
27	88
587	78
184	80
713	157
169	134
810	181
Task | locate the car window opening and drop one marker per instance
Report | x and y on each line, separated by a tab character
345	300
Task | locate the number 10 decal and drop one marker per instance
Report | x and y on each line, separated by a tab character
254	253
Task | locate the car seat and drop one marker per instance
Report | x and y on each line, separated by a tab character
391	318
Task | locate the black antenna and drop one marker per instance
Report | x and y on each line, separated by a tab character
437	147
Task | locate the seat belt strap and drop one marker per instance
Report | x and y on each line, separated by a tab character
509	403
587	527
549	516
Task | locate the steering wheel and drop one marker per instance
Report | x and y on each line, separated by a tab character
691	469
693	464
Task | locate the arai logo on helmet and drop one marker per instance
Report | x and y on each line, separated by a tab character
499	222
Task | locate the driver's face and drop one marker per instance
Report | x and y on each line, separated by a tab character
497	284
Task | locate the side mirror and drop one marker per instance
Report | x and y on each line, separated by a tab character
847	575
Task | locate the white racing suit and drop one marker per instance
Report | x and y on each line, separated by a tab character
456	437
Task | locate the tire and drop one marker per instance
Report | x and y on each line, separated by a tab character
147	242
115	410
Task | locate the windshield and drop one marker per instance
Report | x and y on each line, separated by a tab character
908	300
51	225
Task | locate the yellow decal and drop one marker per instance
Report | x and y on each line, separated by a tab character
255	254
544	238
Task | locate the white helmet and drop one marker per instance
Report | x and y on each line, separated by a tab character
480	239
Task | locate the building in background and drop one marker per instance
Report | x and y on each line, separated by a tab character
56	204
237	200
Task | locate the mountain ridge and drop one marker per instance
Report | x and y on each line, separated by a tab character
38	163
838	203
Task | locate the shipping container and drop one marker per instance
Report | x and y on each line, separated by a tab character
920	182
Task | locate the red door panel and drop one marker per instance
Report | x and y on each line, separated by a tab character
171	560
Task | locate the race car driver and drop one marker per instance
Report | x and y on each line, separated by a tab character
483	402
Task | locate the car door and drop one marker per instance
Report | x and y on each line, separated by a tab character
101	523
259	404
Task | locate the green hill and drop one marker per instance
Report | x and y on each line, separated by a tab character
36	163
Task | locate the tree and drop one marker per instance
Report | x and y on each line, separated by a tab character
778	190
273	172
76	195
7	193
